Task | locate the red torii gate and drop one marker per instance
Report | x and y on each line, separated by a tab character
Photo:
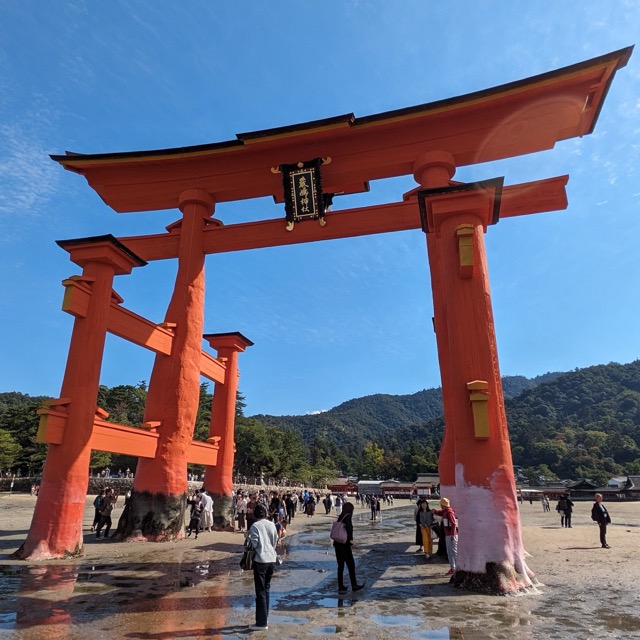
429	142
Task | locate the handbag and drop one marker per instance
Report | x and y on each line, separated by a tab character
338	532
248	556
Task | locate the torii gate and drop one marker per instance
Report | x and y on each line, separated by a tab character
429	142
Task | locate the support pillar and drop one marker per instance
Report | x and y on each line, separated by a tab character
435	170
482	490
159	494
56	528
218	480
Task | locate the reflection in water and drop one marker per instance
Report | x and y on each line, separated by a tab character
44	590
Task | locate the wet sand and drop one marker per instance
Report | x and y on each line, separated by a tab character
195	589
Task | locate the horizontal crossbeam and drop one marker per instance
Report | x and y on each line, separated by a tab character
529	197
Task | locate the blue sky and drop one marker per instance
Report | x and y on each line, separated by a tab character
341	319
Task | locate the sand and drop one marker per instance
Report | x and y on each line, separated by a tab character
195	589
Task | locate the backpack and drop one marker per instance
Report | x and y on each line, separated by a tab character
338	532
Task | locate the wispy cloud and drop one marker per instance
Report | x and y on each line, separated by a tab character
28	179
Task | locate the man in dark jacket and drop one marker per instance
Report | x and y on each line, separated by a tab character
600	515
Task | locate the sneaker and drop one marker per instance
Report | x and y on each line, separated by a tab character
606	546
358	587
450	572
419	550
97	536
256	627
342	590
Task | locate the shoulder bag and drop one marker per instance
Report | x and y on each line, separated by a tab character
338	532
248	556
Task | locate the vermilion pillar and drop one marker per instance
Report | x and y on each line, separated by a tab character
490	550
158	498
434	170
218	480
56	529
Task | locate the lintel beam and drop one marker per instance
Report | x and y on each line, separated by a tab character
519	199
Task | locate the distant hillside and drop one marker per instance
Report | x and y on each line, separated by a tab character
381	418
585	423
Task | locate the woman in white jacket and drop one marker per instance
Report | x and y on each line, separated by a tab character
264	538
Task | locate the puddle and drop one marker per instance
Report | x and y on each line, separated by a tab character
8	620
396	621
276	618
333	603
619	621
181	598
445	633
327	631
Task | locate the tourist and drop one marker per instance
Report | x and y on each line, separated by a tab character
274	506
565	507
310	506
97	505
338	505
426	519
206	518
344	553
290	507
416	517
600	515
264	539
560	507
450	523
241	511
373	505
251	506
195	515
108	504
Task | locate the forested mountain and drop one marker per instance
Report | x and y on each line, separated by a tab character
585	423
391	422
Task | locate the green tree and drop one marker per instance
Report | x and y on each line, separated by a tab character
9	450
372	459
240	405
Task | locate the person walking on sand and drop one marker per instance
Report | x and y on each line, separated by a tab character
206	517
600	515
560	508
344	552
97	505
264	539
566	504
450	523
108	503
426	518
416	516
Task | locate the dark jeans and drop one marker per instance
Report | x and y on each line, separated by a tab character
567	519
603	532
262	573
104	521
344	555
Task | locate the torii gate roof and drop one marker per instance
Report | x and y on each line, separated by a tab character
513	119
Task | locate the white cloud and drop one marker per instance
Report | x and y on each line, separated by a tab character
28	178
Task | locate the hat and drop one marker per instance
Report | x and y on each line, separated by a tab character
444	502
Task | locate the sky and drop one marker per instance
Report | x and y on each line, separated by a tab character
334	320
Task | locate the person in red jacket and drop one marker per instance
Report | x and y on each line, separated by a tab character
450	523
